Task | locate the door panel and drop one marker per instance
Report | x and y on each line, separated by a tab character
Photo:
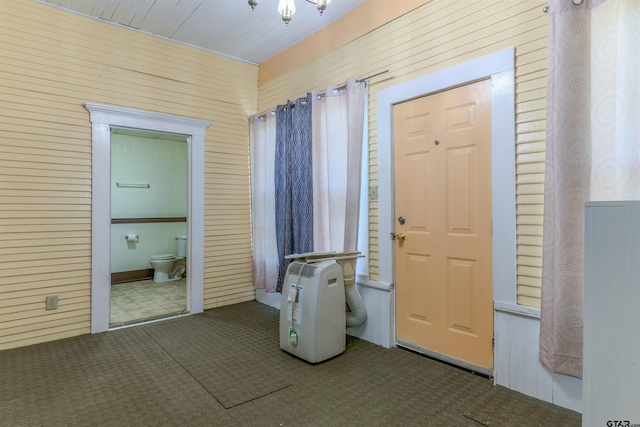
444	301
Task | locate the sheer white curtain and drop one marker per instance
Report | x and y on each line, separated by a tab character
262	144
338	121
593	152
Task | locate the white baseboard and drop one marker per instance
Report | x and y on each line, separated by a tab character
271	299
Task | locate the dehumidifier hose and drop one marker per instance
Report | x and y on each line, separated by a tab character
358	312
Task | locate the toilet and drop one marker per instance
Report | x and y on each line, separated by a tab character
170	267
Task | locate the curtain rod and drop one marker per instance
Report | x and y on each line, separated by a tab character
364	79
344	86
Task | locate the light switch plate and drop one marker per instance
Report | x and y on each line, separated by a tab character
373	192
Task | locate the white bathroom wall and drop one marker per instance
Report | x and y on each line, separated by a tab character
159	160
154	239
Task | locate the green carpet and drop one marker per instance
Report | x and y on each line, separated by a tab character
225	368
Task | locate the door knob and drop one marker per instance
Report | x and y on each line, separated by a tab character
399	236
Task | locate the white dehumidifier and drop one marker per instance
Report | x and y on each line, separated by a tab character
312	311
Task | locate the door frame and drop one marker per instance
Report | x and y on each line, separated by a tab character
499	67
103	117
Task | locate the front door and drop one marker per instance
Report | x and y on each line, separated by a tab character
444	299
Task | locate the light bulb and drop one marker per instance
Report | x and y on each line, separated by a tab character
286	8
321	5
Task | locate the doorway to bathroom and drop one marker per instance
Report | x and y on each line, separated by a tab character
103	119
149	181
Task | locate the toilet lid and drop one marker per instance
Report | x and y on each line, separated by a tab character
162	257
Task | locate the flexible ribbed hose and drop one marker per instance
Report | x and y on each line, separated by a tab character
358	312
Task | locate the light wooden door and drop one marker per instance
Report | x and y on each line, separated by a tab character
444	300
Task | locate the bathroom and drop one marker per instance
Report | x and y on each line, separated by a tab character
148	225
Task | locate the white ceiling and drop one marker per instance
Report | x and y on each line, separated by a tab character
229	27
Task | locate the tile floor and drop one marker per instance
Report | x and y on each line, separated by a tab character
136	301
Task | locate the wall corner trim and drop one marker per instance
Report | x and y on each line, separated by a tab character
363	280
520	310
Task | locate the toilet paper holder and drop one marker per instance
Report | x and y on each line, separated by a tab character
131	237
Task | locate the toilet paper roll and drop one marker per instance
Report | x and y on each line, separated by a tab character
131	237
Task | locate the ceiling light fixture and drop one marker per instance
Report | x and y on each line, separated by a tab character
287	8
321	5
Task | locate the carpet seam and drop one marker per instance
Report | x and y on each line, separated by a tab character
257	397
182	366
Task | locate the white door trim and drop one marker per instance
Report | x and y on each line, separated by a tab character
498	66
103	117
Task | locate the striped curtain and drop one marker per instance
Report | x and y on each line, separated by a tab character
293	181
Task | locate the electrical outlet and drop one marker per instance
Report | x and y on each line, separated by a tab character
52	302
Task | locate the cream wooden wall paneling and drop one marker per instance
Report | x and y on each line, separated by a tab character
246	293
530	240
230	259
45	159
52	62
232	293
368	53
412	38
237	293
12	274
25	319
47	109
43	282
469	36
229	210
56	327
415	45
74	257
47	185
215	301
37	296
80	35
26	169
525	69
169	100
33	188
36	300
23	296
50	335
29	146
230	286
219	152
81	70
26	246
73	251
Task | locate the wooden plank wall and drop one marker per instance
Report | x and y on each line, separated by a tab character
435	36
51	62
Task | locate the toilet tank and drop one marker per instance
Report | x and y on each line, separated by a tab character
182	244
